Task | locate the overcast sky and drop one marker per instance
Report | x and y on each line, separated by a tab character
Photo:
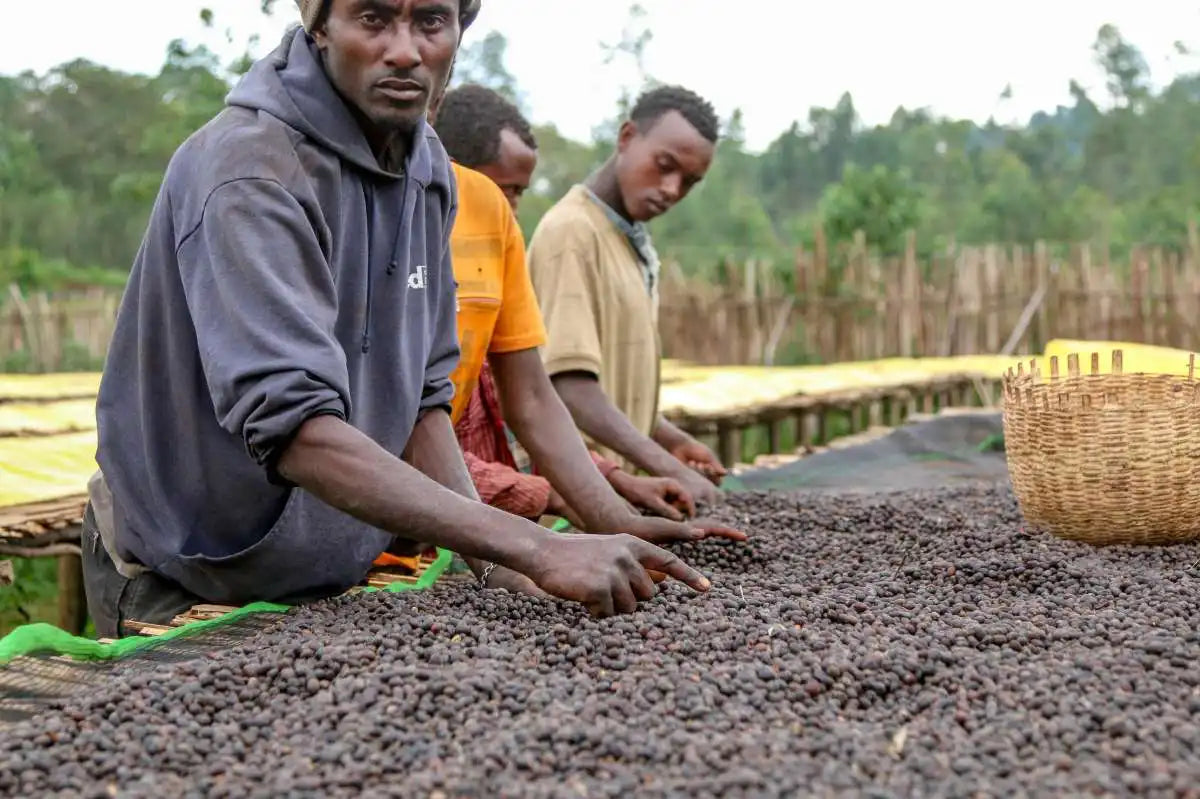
774	60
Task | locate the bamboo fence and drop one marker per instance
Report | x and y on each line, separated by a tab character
979	300
836	305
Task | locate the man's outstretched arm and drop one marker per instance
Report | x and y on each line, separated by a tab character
686	449
348	470
594	414
344	468
545	428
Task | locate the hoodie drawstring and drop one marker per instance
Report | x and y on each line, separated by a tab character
369	197
394	262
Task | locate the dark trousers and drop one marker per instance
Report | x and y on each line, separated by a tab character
114	599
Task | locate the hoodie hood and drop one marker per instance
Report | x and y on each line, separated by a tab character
291	85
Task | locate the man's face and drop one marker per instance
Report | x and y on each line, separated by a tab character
656	168
386	57
513	169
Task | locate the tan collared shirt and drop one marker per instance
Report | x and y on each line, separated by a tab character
599	316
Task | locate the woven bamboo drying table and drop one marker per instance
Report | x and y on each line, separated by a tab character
811	414
51	529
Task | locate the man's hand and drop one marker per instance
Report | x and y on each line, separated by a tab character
699	487
664	531
607	574
700	458
663	496
600	421
515	582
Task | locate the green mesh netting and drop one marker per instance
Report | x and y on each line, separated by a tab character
40	639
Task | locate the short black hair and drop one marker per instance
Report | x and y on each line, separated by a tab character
470	120
699	113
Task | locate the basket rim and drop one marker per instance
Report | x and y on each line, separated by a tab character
1035	375
1115	390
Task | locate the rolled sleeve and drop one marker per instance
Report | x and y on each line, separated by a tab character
264	305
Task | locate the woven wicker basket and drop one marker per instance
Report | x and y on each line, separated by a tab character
1105	458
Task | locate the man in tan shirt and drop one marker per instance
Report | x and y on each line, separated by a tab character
595	273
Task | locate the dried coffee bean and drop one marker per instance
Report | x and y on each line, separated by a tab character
917	643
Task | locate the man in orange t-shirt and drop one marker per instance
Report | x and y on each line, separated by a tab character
499	318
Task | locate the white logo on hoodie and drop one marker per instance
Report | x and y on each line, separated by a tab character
416	279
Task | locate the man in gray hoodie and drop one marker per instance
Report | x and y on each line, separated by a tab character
273	411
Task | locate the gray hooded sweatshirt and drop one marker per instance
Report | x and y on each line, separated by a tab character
284	274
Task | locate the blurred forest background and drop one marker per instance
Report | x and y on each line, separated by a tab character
83	148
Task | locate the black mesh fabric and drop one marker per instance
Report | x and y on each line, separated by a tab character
951	449
32	683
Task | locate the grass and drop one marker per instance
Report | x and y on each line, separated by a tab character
34	595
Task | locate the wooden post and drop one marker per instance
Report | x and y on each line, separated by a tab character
896	403
844	306
849	408
28	322
1156	323
803	291
1021	286
72	602
1172	329
910	305
879	345
1135	327
993	302
1083	301
752	340
950	336
775	434
804	434
1041	264
820	290
729	443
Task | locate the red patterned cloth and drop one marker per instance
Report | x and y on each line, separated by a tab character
493	469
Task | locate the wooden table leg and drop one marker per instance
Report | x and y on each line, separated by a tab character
729	444
775	435
72	602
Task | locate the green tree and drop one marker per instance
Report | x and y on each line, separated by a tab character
881	202
83	149
1125	68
